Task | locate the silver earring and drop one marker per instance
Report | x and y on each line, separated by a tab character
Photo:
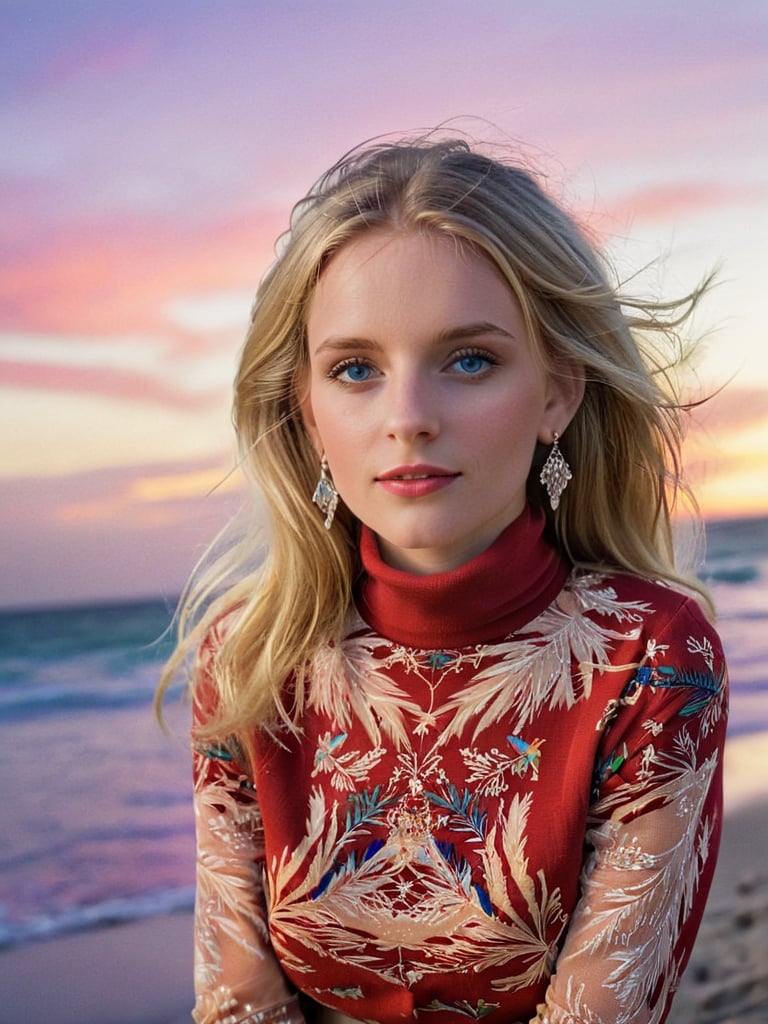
326	497
555	473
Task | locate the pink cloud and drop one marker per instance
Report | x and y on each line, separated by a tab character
733	409
115	275
672	201
120	384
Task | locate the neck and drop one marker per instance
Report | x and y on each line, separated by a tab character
490	596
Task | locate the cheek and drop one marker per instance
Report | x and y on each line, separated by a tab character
338	414
341	438
507	422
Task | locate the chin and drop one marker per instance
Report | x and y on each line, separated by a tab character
421	554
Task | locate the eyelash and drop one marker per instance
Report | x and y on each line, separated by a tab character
477	353
336	371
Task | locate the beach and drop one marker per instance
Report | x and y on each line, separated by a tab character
97	835
140	972
134	973
727	976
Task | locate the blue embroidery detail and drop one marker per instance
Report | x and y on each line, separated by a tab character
665	677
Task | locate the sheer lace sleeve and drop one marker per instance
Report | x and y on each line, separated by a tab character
654	835
237	977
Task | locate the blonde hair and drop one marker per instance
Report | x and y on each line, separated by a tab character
623	444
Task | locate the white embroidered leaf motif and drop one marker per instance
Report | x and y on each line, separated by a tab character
348	680
228	870
641	880
359	913
491	768
576	1010
527	674
346	769
500	943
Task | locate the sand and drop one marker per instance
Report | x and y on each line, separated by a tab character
141	973
727	977
136	973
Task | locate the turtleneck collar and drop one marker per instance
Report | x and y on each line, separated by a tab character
490	596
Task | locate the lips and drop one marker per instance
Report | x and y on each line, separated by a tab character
416	481
418	472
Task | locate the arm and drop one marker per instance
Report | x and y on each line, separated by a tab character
237	976
653	842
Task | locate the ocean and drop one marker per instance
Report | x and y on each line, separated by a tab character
96	823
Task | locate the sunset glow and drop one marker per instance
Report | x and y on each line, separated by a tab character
151	157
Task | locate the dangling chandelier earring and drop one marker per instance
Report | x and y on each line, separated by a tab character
326	497
555	473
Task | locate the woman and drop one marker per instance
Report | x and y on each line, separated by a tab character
458	737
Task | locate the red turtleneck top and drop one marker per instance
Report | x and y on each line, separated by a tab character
504	803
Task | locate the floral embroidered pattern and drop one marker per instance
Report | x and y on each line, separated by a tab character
489	767
536	669
346	769
426	851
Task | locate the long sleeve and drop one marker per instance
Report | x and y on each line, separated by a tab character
655	826
237	977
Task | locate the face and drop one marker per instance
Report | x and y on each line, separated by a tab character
426	395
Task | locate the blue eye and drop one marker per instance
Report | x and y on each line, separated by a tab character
357	372
351	371
472	363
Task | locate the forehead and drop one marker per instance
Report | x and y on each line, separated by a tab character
383	271
414	243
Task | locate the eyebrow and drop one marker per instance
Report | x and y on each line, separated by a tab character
450	335
466	331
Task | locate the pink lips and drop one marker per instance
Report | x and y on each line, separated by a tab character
416	481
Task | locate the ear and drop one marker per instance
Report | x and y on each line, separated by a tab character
565	391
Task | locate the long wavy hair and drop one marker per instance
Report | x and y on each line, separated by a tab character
623	444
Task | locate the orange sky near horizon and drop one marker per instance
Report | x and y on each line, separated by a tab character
152	159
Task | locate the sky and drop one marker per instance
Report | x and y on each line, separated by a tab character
150	153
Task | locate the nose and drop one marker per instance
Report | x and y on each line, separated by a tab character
412	409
